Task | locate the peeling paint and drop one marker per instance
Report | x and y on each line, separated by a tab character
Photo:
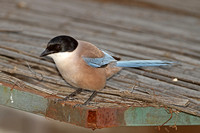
11	98
150	116
22	100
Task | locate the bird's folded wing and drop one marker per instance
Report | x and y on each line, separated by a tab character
99	62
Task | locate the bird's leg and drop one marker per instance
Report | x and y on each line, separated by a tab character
90	98
78	91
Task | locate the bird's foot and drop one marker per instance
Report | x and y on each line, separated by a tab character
63	99
78	105
87	102
70	96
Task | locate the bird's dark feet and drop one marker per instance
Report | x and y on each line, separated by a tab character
78	91
87	101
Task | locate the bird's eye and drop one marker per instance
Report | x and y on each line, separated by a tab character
58	47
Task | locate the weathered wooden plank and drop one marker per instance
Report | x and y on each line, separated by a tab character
176	55
40	77
132	32
191	52
138	57
24	57
57	15
83	13
164	100
182	84
190	6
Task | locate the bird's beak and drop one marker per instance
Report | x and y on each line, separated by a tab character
45	53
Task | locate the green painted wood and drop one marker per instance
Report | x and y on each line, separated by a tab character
151	116
22	100
133	116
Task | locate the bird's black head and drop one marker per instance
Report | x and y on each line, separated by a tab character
60	44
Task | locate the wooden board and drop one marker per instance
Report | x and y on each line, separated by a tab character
131	31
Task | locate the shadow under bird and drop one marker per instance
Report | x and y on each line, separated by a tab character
84	66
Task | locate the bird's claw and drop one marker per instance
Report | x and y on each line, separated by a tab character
78	105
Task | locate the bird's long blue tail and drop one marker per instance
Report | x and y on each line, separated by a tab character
143	63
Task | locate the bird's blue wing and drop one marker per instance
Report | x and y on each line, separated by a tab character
99	62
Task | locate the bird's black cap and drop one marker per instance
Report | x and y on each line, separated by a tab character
60	44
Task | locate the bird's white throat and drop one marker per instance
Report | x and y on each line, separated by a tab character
59	57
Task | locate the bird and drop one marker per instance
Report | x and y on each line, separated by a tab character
84	66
